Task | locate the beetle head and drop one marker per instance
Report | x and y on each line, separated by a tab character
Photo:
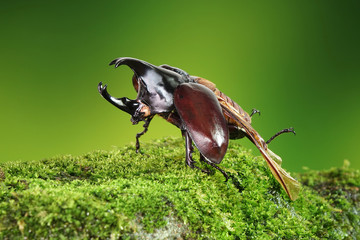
155	87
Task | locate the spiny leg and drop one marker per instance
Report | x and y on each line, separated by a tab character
254	111
202	158
138	135
190	162
281	132
189	151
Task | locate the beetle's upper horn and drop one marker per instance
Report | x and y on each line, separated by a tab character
156	84
133	63
141	68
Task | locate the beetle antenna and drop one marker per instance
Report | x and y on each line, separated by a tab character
254	111
281	132
138	135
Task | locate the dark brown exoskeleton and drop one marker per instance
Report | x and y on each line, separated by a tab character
204	115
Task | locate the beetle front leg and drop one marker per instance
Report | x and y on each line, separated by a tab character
138	135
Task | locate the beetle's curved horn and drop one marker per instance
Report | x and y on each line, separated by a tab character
142	68
124	103
155	85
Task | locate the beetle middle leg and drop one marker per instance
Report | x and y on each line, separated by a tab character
189	151
138	135
202	158
281	132
190	162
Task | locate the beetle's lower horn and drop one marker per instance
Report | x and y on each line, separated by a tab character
125	104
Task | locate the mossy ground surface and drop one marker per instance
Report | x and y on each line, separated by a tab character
124	195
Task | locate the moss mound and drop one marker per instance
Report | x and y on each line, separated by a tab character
124	195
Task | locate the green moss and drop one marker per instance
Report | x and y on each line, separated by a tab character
153	195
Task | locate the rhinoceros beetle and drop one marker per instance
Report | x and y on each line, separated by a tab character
206	116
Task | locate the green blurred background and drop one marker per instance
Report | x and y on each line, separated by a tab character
298	62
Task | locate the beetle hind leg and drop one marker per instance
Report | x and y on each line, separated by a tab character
281	132
138	135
